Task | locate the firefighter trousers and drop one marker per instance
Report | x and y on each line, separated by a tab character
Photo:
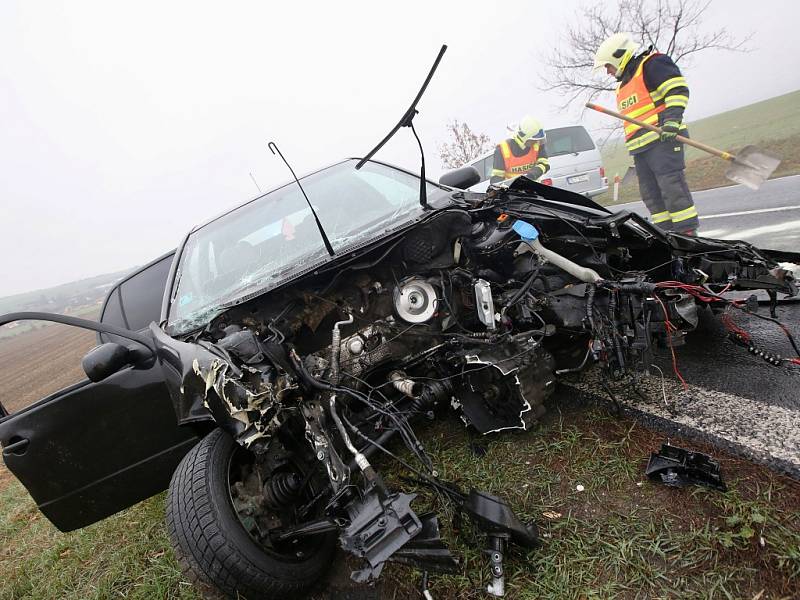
662	184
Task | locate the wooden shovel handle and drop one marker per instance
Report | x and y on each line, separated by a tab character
680	138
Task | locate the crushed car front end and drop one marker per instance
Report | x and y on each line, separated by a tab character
474	304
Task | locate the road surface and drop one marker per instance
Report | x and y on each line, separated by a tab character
734	398
768	218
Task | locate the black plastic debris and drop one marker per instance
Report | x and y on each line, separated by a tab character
494	516
679	467
426	550
379	526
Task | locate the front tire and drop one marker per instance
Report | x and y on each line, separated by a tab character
214	550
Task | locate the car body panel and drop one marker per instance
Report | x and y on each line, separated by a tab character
93	449
96	448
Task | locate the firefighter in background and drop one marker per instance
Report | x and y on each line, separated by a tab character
652	89
524	154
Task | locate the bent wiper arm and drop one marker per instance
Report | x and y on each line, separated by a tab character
322	233
408	121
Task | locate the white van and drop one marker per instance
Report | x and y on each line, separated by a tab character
575	163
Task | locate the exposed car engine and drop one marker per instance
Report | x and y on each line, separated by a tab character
477	309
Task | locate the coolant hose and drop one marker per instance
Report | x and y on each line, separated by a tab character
336	348
530	241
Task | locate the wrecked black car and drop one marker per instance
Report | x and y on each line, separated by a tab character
300	340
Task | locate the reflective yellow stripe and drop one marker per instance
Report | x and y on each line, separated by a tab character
651	120
640	111
683	215
642	140
498	173
677	100
660	217
668	85
543	161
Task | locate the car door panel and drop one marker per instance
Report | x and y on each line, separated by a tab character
96	448
92	449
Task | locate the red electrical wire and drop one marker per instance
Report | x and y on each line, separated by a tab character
727	321
670	328
708	297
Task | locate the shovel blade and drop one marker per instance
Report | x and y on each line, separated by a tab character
752	167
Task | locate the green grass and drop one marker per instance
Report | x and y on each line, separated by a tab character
622	537
125	556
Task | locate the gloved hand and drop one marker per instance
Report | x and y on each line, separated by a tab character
535	173
669	130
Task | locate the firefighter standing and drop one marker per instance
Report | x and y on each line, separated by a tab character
652	89
524	154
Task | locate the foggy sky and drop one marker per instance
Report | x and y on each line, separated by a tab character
123	125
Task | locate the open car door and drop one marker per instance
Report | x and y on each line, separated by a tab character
95	448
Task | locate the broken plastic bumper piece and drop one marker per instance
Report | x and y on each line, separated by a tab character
679	467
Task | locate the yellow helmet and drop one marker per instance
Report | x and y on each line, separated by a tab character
616	51
529	129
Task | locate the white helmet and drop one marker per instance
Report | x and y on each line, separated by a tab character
615	51
529	129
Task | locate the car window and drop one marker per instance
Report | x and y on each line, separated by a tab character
478	164
568	140
141	295
112	311
484	167
263	240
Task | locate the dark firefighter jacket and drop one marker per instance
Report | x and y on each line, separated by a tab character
668	90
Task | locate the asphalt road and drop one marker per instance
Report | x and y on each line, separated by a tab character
768	218
734	398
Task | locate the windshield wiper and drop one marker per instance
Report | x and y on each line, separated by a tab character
408	121
322	233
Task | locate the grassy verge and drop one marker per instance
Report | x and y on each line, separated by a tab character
125	556
705	172
621	537
624	537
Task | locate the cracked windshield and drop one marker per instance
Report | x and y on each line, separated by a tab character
254	246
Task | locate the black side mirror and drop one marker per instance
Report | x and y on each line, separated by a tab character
105	360
461	178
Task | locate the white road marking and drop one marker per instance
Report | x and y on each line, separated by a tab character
750	212
723	187
754	231
767	430
739	185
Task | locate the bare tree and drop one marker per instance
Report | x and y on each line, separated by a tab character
464	145
674	27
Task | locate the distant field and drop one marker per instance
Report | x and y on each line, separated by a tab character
41	362
772	124
58	297
90	311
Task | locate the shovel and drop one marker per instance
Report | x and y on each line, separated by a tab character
751	167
